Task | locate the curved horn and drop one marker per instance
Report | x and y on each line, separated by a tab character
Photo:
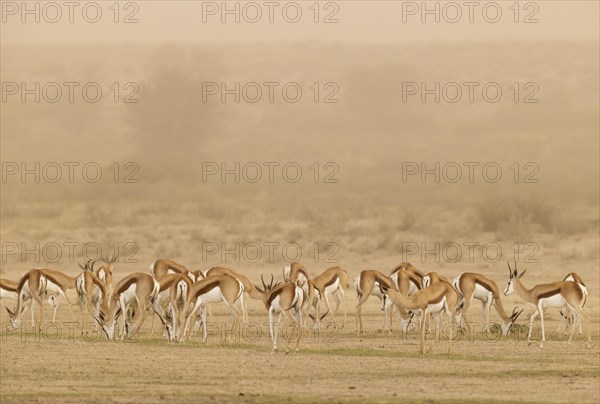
271	284
515	314
82	267
518	314
509	268
263	282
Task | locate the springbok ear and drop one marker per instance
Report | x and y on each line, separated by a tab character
521	274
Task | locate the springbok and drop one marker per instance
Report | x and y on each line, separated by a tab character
476	286
213	289
91	290
33	285
139	287
279	299
558	295
437	298
331	282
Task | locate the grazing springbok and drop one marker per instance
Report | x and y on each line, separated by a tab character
476	286
433	277
437	298
105	273
365	284
331	282
162	267
408	267
9	290
178	293
141	288
91	291
295	273
279	299
34	285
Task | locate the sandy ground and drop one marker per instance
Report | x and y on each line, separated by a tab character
333	366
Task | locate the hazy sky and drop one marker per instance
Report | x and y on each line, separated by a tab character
357	21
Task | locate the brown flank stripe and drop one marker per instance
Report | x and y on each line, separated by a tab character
485	284
548	294
210	285
125	286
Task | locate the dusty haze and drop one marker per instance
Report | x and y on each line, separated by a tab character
358	132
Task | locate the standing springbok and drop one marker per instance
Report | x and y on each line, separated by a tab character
279	299
558	295
476	286
249	288
213	289
566	317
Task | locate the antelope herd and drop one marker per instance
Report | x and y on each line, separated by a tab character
181	298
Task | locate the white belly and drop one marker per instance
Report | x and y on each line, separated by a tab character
52	287
213	296
333	287
413	288
437	307
481	293
556	302
8	294
129	294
